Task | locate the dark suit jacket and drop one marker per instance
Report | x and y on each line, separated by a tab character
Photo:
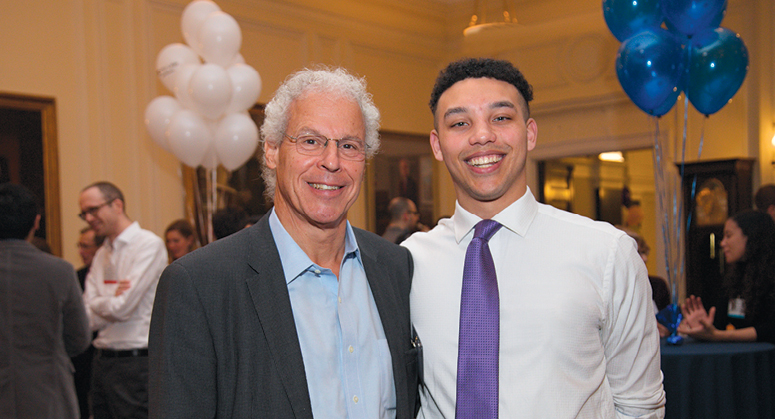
223	342
42	323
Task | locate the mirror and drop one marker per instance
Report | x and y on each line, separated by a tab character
619	192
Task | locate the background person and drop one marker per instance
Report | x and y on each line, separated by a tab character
120	289
88	243
227	221
179	238
765	199
749	250
43	320
404	220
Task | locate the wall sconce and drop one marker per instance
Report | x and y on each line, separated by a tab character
611	156
773	141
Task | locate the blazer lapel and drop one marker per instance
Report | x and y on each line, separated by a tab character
269	293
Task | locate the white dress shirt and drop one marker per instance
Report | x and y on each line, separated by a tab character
578	335
123	322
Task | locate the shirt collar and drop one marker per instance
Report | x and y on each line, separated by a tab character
124	237
517	217
294	260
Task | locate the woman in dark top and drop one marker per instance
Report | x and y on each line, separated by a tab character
749	249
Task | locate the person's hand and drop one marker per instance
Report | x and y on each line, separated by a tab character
663	331
123	285
697	322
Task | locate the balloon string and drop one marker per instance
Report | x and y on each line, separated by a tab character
213	196
661	195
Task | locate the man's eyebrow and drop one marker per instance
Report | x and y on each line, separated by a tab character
453	111
502	104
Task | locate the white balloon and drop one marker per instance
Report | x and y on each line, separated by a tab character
210	161
170	59
246	86
158	115
238	59
219	39
193	17
182	84
189	137
210	88
236	140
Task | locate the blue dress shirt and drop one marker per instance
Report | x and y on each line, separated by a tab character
346	357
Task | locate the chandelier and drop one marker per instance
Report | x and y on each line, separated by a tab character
503	16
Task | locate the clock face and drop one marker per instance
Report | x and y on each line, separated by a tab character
711	203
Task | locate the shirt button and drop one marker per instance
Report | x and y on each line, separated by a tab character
317	271
351	349
355	399
340	300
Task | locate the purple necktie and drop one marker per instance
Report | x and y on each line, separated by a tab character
477	358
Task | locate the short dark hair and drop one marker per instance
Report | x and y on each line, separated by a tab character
476	68
228	221
765	197
18	209
98	240
109	191
397	207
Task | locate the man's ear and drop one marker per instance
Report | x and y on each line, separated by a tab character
35	227
270	154
119	205
435	146
532	133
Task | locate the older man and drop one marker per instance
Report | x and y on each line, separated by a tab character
301	314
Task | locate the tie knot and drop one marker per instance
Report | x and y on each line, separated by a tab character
485	229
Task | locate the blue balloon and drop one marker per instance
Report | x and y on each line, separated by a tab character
650	67
628	17
692	16
667	105
718	64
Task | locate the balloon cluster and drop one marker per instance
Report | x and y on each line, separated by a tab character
207	122
654	65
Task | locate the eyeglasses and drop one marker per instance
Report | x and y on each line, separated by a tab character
94	210
313	145
85	245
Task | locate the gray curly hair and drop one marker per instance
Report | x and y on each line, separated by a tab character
335	81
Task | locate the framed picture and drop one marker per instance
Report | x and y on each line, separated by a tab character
403	167
28	156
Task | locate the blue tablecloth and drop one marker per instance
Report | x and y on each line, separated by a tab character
707	380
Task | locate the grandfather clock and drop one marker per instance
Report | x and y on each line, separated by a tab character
723	188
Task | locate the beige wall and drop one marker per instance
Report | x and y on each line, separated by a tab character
96	58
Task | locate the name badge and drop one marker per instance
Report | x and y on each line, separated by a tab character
736	308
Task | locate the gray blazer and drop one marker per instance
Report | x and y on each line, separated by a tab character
42	324
223	343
